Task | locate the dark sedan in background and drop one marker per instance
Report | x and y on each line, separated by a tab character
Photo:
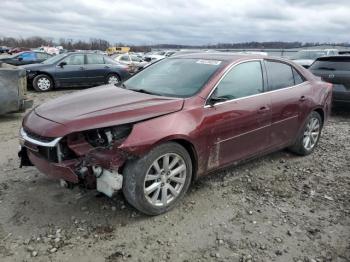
75	69
335	70
25	58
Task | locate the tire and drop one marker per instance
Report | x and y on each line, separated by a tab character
301	146
153	202
112	79
43	83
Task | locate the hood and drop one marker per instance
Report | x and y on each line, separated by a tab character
105	106
34	66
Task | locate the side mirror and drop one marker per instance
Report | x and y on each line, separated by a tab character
20	58
62	64
216	99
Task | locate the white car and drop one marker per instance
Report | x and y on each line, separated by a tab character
134	62
305	58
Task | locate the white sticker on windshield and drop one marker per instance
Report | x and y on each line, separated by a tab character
209	62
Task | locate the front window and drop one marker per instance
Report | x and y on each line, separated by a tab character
243	80
174	77
75	60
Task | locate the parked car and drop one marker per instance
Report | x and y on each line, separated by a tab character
335	70
132	61
17	50
154	56
13	88
177	120
306	57
75	69
4	49
25	58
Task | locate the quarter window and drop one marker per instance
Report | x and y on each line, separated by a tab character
75	60
279	75
243	80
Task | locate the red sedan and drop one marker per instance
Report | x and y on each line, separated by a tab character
175	121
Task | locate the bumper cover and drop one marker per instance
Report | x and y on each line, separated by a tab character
63	170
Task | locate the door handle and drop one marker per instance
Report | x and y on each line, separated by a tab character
82	68
302	99
263	109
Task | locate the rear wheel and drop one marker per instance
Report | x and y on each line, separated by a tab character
310	135
155	183
113	79
42	83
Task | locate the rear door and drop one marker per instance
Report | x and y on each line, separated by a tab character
288	93
95	69
238	126
73	72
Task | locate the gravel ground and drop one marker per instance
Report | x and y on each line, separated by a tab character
277	208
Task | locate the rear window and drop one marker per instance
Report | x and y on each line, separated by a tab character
279	75
332	64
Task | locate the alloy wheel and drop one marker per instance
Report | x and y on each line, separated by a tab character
311	133
165	179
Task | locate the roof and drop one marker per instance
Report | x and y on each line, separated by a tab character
228	57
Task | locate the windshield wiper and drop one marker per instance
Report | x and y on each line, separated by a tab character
144	91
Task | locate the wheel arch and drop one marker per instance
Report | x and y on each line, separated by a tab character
45	73
192	152
188	145
321	112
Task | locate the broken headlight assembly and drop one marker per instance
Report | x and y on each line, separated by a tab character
108	136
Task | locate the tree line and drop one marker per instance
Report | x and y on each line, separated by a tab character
101	44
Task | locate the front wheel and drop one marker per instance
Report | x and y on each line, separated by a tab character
308	138
42	83
155	183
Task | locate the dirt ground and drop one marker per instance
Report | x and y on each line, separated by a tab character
280	207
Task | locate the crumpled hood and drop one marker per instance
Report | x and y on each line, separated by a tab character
105	106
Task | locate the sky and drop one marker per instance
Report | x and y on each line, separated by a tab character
189	22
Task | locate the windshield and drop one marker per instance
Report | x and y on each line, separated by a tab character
174	77
54	59
311	54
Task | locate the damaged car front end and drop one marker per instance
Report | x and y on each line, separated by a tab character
81	155
91	157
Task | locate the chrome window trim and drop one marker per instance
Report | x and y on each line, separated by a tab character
25	137
240	98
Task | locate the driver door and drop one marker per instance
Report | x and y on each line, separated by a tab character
73	73
238	123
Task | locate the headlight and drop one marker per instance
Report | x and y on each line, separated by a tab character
108	136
